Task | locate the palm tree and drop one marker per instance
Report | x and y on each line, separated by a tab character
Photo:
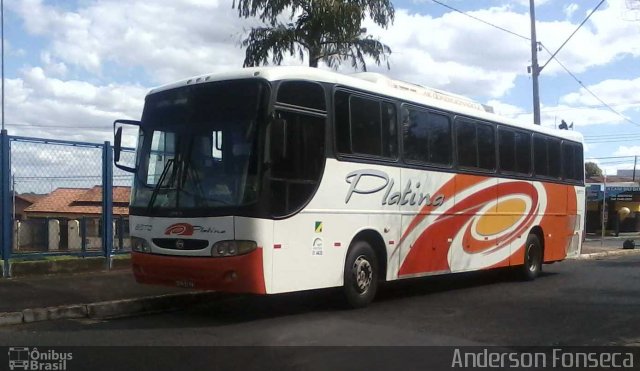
328	30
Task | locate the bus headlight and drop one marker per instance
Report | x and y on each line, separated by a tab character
232	248
140	245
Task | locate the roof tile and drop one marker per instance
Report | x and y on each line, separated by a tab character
80	201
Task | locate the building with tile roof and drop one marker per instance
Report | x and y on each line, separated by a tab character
74	203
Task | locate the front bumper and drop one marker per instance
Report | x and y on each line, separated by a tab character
237	274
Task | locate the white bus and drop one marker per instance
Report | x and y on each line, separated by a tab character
273	180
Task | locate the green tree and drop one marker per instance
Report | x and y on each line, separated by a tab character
328	30
592	169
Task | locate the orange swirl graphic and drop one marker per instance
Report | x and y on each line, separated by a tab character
475	231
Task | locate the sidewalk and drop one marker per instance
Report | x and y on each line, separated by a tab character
97	294
594	247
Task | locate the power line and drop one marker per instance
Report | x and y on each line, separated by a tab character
589	106
589	90
570	36
58	126
621	135
607	157
612	141
553	55
603	137
481	20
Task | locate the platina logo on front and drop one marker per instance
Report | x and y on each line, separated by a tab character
32	359
186	229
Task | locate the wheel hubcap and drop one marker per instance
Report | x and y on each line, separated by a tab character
362	273
532	258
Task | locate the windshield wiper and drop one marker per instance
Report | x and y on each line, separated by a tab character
156	189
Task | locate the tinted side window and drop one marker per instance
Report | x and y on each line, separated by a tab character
440	148
486	147
506	147
416	136
296	172
302	94
572	161
476	145
427	137
540	155
389	130
568	161
342	125
523	152
555	158
467	144
579	163
365	126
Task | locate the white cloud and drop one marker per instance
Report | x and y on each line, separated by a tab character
603	39
627	151
506	110
58	69
174	39
569	9
71	109
623	92
169	39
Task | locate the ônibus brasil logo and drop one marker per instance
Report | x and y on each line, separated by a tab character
25	358
186	229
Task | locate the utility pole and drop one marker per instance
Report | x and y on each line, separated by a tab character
535	69
635	161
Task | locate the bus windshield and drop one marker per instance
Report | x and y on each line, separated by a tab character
199	147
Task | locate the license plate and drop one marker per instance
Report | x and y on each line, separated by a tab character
185	283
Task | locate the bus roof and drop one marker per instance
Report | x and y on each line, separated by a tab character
378	84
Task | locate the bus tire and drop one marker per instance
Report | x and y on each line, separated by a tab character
532	258
360	275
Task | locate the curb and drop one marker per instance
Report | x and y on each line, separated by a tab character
109	309
619	252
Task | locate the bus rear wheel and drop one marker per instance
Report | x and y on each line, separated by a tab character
360	275
532	258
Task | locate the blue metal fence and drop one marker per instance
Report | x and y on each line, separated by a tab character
57	198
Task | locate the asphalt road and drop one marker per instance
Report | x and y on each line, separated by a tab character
586	302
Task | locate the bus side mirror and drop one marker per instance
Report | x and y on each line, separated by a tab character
132	129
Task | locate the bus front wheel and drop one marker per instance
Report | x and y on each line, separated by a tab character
532	259
360	275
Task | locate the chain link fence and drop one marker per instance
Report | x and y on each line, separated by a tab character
57	204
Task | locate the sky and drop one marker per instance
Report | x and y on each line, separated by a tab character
74	66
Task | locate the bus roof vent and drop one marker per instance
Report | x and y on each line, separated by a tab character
432	93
